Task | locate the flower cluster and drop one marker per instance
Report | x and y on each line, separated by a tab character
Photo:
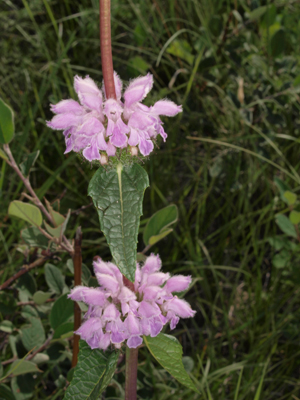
98	126
116	313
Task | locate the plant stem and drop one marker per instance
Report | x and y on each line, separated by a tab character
77	261
105	46
131	373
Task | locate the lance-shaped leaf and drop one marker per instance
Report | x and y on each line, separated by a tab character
7	127
158	225
118	195
92	374
26	211
168	352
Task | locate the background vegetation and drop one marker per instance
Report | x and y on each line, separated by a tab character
227	164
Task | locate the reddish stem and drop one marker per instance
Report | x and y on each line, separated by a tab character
106	53
131	373
77	261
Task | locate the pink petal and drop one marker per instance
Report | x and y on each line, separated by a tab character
91	127
146	146
108	282
64	121
123	128
152	264
174	322
91	153
88	295
118	85
157	278
126	295
155	326
134	137
134	341
140	120
91	101
118	139
110	313
88	328
67	106
104	341
86	85
111	150
100	141
151	293
178	283
113	109
148	310
132	324
165	107
138	89
180	307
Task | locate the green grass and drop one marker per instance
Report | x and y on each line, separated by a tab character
218	165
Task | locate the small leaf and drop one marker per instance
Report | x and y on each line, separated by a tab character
54	278
289	197
285	225
7	303
61	312
63	329
281	259
181	49
159	223
40	297
33	334
34	238
26	283
26	165
55	232
168	352
40	358
23	386
59	230
98	367
188	364
3	155
7	127
21	367
282	187
294	217
25	211
118	195
6	393
57	217
278	42
257	13
6	326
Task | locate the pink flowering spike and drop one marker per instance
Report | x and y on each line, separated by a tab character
88	328
118	138
157	278
91	126
132	324
110	313
113	109
100	141
138	90
111	150
92	102
155	326
152	264
94	341
125	308
140	120
165	107
118	86
102	267
145	327
67	106
180	307
178	283
174	322
64	121
108	282
134	341
148	310
126	295
146	147
87	295
91	153
151	293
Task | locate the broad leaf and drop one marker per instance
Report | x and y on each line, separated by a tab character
23	386
285	225
63	330
21	367
61	311
26	211
158	225
26	165
54	278
7	127
117	195
6	393
26	285
92	374
289	197
34	238
294	217
40	297
59	230
33	334
6	326
168	352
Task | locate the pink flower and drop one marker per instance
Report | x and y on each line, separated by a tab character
117	314
97	127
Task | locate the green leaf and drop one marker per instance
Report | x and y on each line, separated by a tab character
6	326
285	225
41	297
34	238
158	224
6	393
23	386
282	187
289	197
168	352
54	278
59	230
57	217
257	13
7	303
181	49
26	165
85	272
40	358
7	127
92	374
294	217
118	195
3	155
62	310
281	259
21	367
63	330
33	334
27	284
26	211
278	42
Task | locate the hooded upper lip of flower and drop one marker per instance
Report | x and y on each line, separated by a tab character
126	123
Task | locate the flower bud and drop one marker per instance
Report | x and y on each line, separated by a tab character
103	159
134	151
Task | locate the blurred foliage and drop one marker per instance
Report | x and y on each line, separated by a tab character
228	162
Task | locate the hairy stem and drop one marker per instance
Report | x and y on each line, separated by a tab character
106	53
131	373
